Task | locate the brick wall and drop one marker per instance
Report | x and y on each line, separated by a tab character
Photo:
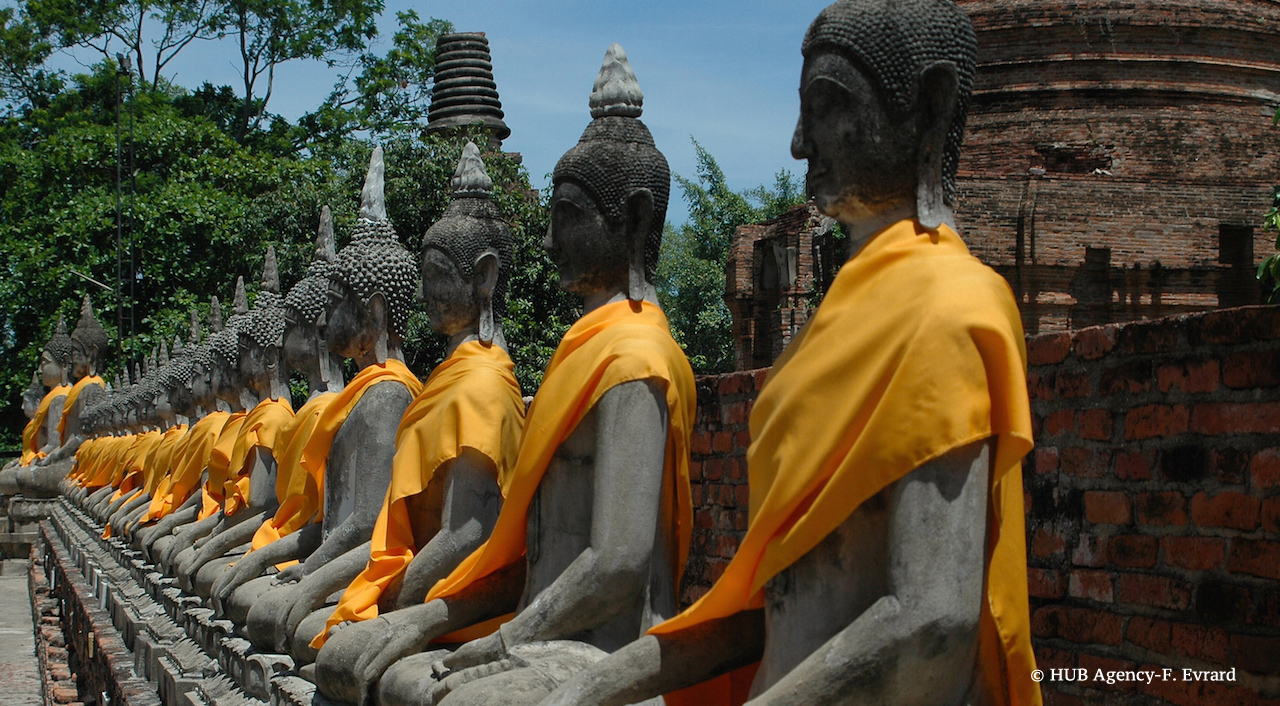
1154	522
1153	502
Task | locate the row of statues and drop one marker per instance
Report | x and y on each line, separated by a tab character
437	542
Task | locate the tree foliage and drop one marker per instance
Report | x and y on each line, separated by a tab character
691	277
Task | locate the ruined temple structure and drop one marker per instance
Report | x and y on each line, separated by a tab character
464	92
1117	162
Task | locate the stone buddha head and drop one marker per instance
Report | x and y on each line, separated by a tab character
56	358
466	258
261	336
305	348
224	374
372	283
89	343
884	94
610	193
32	397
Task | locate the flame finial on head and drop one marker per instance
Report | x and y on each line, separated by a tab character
215	315
373	204
471	177
616	91
325	249
270	272
240	304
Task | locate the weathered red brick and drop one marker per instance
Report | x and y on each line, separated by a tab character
1048	349
1045	583
1094	424
1048	658
1155	421
1259	654
1193	553
1154	591
1080	625
700	443
1085	463
713	469
1256	557
1105	507
1046	459
1251	369
1073	385
1094	342
1128	378
1155	635
1045	544
1202	643
1093	663
1260	323
1191	376
1167	508
1091	550
1270	515
1134	551
1236	418
1040	385
1092	584
722	442
1133	465
742	495
1264	469
1063	420
1233	510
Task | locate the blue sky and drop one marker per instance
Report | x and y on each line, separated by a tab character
722	72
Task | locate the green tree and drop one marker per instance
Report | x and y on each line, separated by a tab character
691	278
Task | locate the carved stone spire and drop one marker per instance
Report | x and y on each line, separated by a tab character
325	249
373	206
193	335
162	359
240	305
471	178
616	92
270	273
215	315
465	92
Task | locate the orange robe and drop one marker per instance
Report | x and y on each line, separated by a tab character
72	397
261	428
31	433
220	464
614	344
299	494
189	461
924	344
472	400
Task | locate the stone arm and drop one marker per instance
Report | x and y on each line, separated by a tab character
310	593
660	664
184	513
410	630
51	424
470	509
918	643
294	546
66	451
185	537
126	508
240	531
607	577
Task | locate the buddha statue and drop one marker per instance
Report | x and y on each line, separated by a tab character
230	394
457	442
183	498
371	290
885	560
40	436
249	488
31	398
292	533
89	345
590	544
